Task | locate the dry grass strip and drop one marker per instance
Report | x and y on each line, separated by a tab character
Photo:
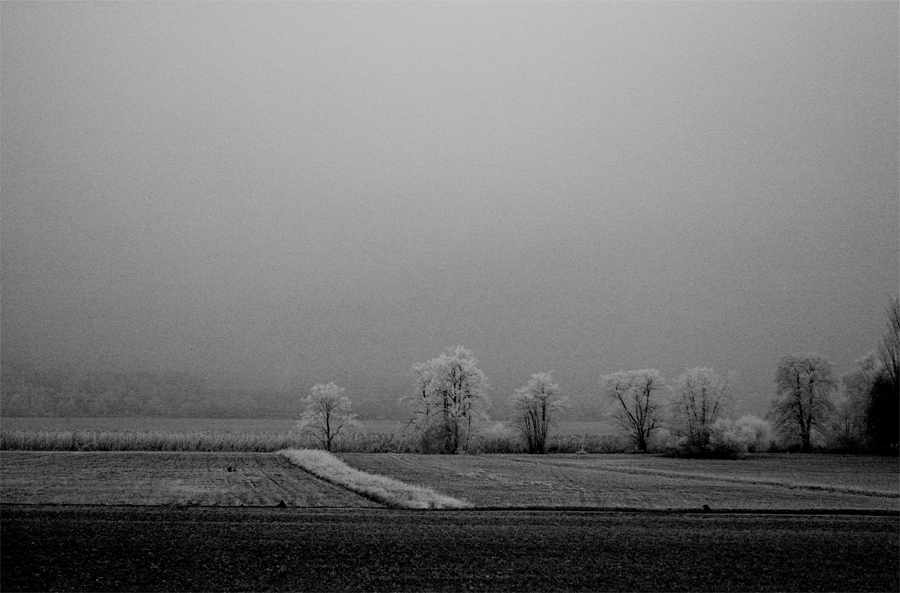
390	492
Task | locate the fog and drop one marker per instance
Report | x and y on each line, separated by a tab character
277	194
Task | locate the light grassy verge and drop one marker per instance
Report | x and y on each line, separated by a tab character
388	491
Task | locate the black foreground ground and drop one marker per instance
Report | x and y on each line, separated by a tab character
260	549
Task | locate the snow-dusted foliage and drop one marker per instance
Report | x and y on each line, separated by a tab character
450	389
699	399
747	434
637	399
803	404
534	405
328	412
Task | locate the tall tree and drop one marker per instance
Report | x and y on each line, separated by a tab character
637	402
700	397
327	414
889	352
449	390
805	384
534	405
883	412
851	416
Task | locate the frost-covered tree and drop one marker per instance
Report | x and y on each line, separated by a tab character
449	391
699	398
637	400
732	438
805	384
327	414
535	405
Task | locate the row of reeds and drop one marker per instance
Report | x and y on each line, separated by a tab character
150	440
164	440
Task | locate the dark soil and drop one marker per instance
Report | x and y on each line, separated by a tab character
259	549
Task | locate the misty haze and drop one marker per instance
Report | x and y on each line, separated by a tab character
261	197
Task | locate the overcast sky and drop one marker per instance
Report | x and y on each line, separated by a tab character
273	193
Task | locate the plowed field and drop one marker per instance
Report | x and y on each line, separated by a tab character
234	549
162	478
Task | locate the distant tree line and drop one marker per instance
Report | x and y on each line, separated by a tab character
691	417
26	390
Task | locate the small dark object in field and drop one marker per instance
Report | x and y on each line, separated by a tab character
231	469
706	508
281	505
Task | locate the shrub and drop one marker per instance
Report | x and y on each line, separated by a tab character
728	439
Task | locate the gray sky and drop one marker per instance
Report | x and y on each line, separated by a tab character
266	193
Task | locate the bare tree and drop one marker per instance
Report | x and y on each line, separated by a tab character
535	404
635	395
700	398
889	352
327	414
449	390
850	419
805	384
882	424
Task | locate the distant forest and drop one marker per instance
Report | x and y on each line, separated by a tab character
26	390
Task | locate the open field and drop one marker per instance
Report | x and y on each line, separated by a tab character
596	481
229	549
649	481
174	521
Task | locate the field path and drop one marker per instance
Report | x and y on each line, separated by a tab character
164	478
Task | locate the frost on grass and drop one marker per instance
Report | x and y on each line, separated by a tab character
388	491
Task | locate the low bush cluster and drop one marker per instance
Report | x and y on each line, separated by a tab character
726	439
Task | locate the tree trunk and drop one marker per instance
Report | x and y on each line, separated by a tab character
642	443
806	444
